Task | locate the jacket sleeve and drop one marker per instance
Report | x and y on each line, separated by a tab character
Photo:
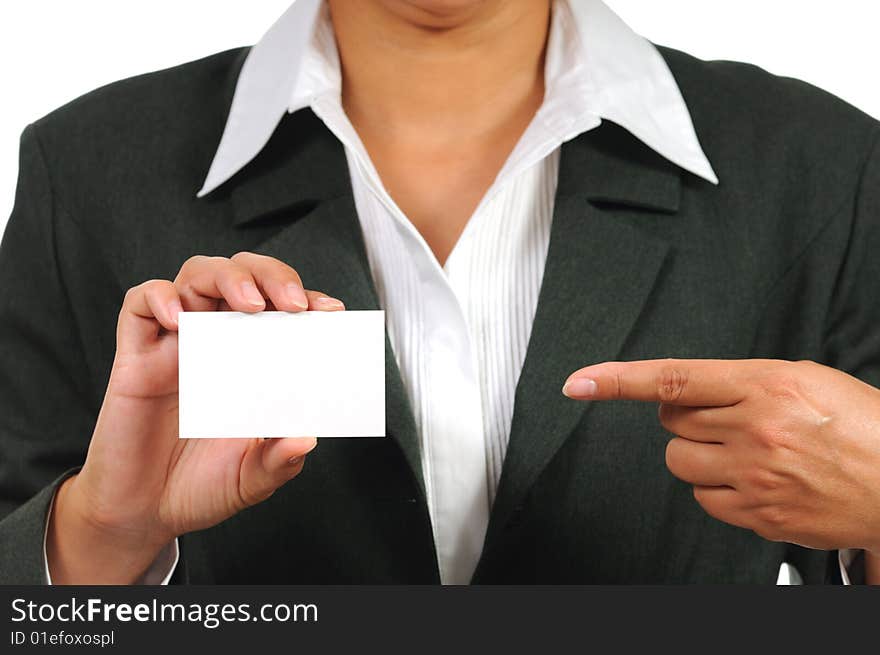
852	338
852	341
48	399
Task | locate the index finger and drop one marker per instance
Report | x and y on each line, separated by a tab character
690	382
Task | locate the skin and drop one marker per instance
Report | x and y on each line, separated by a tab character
781	448
440	92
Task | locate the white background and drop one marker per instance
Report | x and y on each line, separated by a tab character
54	50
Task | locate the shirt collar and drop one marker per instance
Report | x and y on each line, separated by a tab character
597	67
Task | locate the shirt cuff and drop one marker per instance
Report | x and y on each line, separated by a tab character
160	570
850	561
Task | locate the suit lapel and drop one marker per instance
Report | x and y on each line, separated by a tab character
601	268
298	191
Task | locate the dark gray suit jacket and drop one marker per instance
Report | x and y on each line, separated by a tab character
780	260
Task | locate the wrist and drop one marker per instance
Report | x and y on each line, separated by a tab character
83	547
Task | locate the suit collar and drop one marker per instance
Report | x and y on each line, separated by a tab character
262	91
616	75
302	166
597	69
608	166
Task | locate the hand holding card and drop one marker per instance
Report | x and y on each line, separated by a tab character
141	486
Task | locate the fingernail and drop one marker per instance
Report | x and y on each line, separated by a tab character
580	387
174	308
252	294
297	296
293	461
330	303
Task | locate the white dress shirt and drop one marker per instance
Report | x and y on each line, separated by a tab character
459	332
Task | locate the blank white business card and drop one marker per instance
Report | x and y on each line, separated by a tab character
277	374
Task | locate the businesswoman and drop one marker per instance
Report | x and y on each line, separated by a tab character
567	227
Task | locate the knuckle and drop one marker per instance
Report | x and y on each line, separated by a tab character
618	383
672	382
268	266
252	495
155	286
147	288
243	256
283	268
224	269
773	521
806	366
714	507
782	384
195	260
683	420
772	436
196	263
702	497
764	481
221	262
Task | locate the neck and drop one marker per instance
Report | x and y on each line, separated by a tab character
453	72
